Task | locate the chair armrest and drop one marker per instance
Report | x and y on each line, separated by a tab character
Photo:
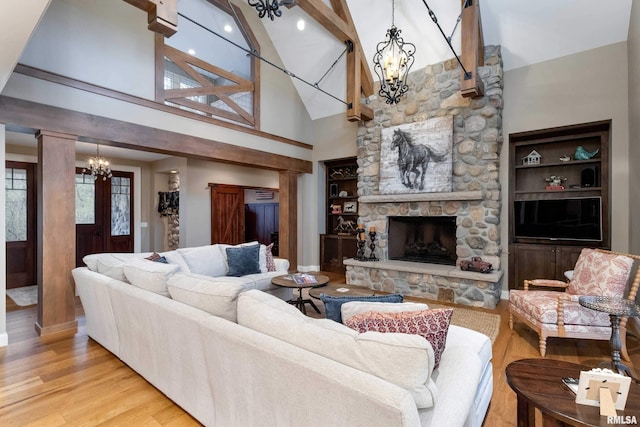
545	283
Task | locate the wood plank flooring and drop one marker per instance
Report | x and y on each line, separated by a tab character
73	381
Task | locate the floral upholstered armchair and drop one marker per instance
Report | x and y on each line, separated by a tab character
553	313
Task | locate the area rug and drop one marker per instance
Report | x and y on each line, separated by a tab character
483	322
26	295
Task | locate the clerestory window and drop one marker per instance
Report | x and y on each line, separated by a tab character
205	74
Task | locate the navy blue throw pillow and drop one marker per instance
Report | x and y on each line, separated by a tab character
332	305
243	260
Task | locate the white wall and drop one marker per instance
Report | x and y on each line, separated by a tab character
633	49
585	87
4	338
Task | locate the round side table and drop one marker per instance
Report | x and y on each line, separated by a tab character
616	308
286	281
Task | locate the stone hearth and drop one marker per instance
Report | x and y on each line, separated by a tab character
475	200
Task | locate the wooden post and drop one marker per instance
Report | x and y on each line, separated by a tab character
288	225
56	232
472	49
162	15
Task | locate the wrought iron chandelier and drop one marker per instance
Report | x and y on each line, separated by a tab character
392	62
269	8
98	166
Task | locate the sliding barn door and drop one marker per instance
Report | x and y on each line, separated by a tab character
227	214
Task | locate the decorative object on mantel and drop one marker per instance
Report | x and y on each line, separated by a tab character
372	245
98	166
360	243
343	194
392	61
476	264
416	157
533	158
565	158
582	154
555	183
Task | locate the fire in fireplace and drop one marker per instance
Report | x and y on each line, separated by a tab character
429	239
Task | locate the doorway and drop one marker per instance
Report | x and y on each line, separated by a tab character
104	214
20	217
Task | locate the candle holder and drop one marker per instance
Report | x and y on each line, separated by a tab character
361	242
372	246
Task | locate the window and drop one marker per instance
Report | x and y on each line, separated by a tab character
85	199
120	206
205	74
16	205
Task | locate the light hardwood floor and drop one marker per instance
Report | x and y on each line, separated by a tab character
74	381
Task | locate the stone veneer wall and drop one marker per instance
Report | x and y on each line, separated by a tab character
477	140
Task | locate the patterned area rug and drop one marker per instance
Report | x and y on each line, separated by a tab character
483	322
27	295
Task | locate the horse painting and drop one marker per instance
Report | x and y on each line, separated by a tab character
417	157
413	159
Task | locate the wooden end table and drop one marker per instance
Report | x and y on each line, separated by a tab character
538	384
286	281
337	290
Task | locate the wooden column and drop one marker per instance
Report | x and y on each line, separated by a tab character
56	232
288	233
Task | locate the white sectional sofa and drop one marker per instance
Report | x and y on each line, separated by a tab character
233	356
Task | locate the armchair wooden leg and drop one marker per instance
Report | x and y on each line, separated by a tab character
510	320
543	345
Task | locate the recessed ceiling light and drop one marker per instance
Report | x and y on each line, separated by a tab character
228	28
191	51
300	24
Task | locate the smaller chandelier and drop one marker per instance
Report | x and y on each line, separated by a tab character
269	8
392	62
98	166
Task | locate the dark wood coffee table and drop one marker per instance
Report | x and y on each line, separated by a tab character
538	384
286	281
337	290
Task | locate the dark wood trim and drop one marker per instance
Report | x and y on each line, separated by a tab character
288	224
472	49
121	96
162	15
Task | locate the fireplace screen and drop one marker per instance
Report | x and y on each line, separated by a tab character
429	239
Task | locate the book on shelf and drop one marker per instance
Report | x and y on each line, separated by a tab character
554	187
304	279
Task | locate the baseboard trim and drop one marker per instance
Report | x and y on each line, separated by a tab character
4	339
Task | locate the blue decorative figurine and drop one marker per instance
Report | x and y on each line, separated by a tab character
582	154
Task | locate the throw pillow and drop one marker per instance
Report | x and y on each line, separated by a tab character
600	273
243	260
433	325
156	257
271	264
206	260
333	305
356	307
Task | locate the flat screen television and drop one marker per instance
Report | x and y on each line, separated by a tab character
559	219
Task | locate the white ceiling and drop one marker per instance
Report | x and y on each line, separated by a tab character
528	31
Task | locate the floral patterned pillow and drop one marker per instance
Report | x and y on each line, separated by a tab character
433	325
600	273
271	264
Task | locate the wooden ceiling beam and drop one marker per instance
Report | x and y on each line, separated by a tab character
162	15
472	49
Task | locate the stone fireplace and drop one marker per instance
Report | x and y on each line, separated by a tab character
429	239
470	214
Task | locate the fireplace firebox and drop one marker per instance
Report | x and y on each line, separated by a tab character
428	239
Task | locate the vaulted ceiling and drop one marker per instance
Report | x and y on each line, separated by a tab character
528	31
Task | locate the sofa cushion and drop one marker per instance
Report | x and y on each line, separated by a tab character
205	260
149	275
352	308
402	359
217	296
174	257
112	265
332	305
433	325
243	260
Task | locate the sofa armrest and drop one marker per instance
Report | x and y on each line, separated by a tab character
282	264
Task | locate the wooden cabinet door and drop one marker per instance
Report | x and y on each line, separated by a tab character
566	257
227	214
531	262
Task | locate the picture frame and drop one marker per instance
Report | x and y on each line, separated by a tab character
350	207
591	381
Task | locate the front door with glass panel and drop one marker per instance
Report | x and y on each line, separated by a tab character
20	224
104	214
